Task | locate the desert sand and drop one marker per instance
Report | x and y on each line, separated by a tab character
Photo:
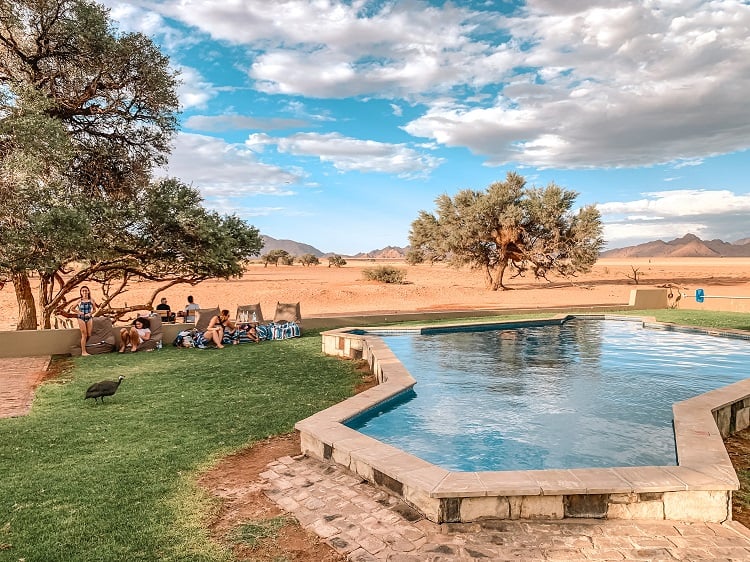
323	290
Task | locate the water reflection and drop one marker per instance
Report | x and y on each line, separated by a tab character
581	394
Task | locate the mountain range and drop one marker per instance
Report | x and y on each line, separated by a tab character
689	246
299	249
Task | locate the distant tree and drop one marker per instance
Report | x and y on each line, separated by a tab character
274	257
637	274
336	261
509	225
288	259
309	259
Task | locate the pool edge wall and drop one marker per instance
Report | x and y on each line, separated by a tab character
698	488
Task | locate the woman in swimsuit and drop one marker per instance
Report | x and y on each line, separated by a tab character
85	310
215	330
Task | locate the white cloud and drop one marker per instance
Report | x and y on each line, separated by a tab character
140	16
682	203
221	169
194	90
568	84
400	47
348	154
671	214
231	206
632	84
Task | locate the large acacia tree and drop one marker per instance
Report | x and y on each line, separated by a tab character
511	226
86	114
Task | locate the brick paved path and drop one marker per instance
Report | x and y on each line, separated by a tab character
19	377
367	525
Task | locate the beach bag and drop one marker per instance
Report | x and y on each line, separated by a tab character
199	340
184	339
265	332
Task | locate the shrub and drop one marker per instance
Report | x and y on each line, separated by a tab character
309	259
336	261
385	274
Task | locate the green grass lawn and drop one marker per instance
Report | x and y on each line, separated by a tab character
116	481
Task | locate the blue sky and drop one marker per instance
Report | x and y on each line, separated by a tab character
334	123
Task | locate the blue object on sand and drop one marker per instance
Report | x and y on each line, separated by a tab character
699	295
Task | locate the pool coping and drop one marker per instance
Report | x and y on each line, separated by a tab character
698	488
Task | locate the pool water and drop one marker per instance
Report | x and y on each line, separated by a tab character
583	394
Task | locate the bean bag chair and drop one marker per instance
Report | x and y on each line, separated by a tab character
287	312
157	333
245	313
101	340
204	317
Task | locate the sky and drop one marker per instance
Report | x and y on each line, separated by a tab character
334	123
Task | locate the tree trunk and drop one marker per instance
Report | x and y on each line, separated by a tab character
44	302
487	277
499	272
26	305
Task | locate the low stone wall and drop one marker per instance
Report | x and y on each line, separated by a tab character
34	343
648	299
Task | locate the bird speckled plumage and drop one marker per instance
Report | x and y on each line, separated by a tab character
103	388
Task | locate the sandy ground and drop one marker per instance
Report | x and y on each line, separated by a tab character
323	290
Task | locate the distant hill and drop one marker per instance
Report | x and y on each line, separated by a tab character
294	248
689	246
389	253
299	249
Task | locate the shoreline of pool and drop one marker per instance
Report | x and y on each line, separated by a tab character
699	488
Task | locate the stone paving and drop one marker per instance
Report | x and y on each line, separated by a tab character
19	377
366	524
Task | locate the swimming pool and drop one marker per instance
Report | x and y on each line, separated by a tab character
698	488
573	395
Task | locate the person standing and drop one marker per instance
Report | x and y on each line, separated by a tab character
85	313
190	308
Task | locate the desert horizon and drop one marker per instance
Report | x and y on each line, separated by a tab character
323	290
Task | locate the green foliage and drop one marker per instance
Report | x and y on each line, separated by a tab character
509	225
162	234
336	261
117	481
309	259
385	274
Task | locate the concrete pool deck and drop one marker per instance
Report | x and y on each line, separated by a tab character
699	488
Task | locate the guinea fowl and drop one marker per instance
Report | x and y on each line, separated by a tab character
103	388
